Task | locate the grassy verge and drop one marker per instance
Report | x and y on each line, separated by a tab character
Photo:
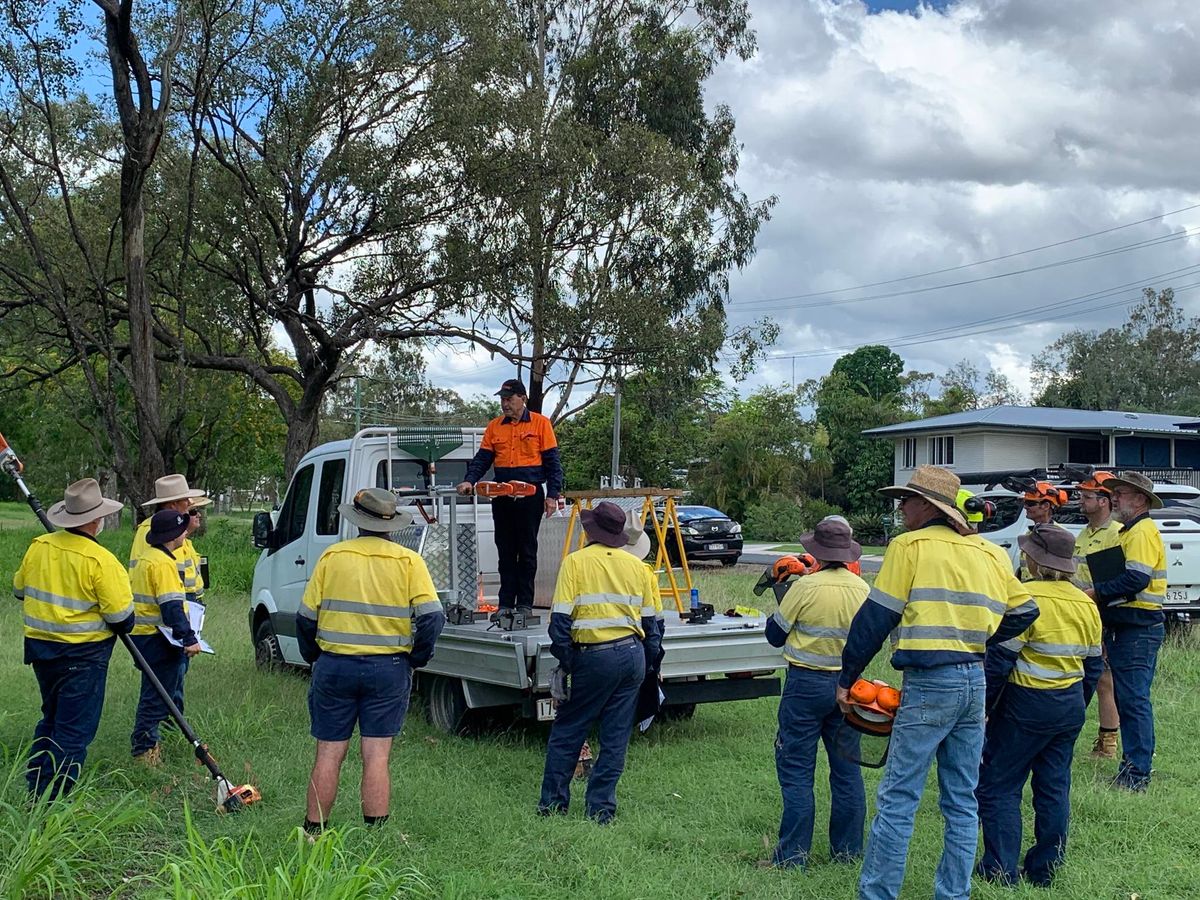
699	799
868	549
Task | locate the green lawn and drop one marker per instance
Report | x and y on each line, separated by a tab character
699	800
868	549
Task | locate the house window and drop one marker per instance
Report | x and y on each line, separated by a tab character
909	453
1087	451
1144	451
941	451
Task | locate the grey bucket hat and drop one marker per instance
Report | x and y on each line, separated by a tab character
374	509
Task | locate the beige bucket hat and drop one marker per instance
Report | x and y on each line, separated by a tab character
374	509
1139	483
170	488
937	485
82	503
637	541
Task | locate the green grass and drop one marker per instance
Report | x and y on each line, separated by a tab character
868	549
699	799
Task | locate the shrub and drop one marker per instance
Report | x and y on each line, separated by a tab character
784	518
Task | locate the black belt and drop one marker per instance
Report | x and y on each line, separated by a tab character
608	645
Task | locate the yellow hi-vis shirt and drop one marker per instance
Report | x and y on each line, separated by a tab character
186	558
1052	650
950	591
652	586
70	587
606	592
363	595
1145	553
816	613
1093	540
155	581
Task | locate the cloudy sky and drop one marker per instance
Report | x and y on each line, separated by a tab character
903	138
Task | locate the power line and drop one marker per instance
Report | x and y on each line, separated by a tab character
1139	245
979	262
955	331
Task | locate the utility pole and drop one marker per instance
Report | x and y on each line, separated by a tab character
357	404
616	442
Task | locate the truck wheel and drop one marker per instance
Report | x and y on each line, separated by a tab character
267	655
445	704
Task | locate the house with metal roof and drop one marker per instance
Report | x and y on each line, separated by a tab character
1026	437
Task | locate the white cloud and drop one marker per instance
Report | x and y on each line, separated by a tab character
901	143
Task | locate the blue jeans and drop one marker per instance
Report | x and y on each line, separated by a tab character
940	716
1011	754
1133	657
808	715
169	663
604	687
72	697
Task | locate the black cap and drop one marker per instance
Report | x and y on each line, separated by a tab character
511	387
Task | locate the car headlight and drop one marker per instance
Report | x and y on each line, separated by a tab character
736	529
684	529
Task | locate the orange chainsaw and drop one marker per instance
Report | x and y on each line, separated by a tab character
505	489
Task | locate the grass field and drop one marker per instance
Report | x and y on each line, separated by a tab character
699	799
868	550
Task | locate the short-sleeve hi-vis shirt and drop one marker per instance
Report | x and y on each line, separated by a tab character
364	594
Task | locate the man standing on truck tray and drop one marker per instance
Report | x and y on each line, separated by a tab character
1038	688
603	633
945	597
369	616
811	625
522	447
160	602
1131	610
76	599
1102	532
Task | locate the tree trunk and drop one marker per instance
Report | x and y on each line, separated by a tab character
303	429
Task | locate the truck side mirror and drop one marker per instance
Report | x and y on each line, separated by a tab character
262	530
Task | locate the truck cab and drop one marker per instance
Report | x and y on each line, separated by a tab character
476	667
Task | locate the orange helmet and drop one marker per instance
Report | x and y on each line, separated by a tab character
873	706
1044	490
1096	483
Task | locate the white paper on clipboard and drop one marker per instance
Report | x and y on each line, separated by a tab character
195	612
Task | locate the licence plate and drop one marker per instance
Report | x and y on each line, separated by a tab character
1178	595
546	710
716	546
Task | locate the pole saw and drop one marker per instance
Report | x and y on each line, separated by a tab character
230	798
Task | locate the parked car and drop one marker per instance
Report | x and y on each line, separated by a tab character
1178	522
707	534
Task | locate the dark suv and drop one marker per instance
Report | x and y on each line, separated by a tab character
707	534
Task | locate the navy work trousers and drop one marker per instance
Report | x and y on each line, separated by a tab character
169	663
517	520
72	697
1012	752
809	715
1133	658
605	681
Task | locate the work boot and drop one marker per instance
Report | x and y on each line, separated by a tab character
1105	746
151	758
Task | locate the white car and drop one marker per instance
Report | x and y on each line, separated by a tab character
1178	522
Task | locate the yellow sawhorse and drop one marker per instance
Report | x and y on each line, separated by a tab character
581	500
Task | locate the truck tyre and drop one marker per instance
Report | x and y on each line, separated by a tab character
446	706
267	655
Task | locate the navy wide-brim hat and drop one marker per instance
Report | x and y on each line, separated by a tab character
605	524
165	526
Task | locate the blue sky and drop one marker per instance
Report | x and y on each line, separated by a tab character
904	5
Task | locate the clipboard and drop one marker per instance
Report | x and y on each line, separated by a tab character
1105	565
196	621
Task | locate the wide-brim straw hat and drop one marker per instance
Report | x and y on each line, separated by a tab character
1049	546
374	509
1139	483
637	541
170	488
937	485
82	503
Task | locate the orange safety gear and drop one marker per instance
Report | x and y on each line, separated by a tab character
873	706
1096	483
1045	491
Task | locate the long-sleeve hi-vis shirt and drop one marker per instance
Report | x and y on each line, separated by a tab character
75	596
1048	672
1093	540
158	595
369	596
602	594
813	620
523	449
186	558
1136	597
943	597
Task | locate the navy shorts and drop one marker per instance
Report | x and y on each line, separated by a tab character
371	691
